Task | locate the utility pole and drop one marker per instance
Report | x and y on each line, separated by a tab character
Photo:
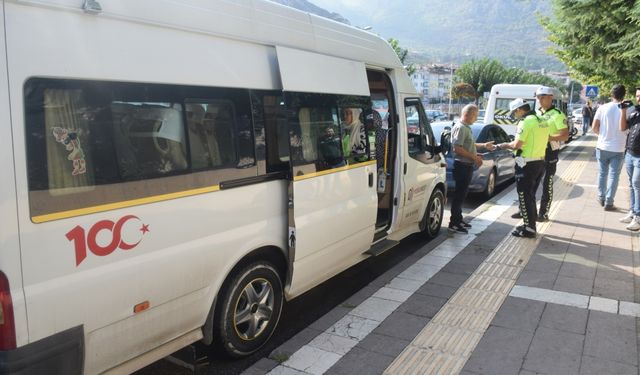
450	86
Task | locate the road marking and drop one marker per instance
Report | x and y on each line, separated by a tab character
577	300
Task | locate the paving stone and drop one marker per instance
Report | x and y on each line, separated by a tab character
500	351
434	260
565	318
599	366
375	308
474	257
544	263
383	344
261	367
437	290
614	289
402	325
578	268
615	255
353	327
615	271
311	360
629	308
330	318
460	268
392	294
527	372
519	314
449	279
333	344
283	370
358	297
296	342
611	337
574	285
405	284
362	362
479	248
421	305
554	352
587	252
536	279
603	304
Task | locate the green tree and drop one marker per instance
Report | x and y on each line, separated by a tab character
597	39
481	75
402	54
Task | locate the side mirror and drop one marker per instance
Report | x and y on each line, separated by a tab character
512	137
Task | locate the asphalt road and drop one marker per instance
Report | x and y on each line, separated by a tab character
302	311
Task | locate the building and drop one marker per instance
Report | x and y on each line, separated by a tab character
433	81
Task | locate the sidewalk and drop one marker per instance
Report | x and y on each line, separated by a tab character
489	303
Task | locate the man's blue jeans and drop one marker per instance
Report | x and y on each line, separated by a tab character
632	163
609	166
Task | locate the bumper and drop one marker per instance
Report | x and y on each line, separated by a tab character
62	353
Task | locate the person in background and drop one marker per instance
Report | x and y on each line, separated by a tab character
630	120
465	158
587	117
530	144
610	147
355	135
330	149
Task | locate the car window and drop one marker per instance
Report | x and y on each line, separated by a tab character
501	136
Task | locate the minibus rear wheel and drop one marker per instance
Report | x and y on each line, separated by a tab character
249	309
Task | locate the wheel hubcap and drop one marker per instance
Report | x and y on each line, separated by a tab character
435	214
254	309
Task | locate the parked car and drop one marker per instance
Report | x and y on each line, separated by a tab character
576	117
498	166
436	115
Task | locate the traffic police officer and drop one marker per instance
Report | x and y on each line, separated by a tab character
529	144
558	132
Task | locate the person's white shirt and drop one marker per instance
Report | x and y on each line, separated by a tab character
610	138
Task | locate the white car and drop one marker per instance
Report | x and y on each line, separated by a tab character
576	115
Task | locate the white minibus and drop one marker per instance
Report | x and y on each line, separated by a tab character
497	110
174	170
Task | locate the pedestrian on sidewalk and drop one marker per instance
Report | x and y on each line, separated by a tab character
587	116
630	120
465	158
530	144
610	147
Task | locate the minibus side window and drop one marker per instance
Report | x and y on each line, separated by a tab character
94	143
327	131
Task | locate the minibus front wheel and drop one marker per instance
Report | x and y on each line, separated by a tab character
249	309
432	220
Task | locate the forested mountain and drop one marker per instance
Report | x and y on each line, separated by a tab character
452	30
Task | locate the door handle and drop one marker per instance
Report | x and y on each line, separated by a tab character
370	179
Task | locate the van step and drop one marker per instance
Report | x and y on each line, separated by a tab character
381	247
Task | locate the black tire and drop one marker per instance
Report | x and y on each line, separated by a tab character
490	188
249	310
432	220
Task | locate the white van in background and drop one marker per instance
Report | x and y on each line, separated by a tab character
174	170
497	111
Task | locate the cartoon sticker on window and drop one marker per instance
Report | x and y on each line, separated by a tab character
72	143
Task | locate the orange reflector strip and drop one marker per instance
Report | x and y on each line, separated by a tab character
141	307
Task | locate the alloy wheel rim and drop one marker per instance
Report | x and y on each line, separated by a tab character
254	309
435	215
